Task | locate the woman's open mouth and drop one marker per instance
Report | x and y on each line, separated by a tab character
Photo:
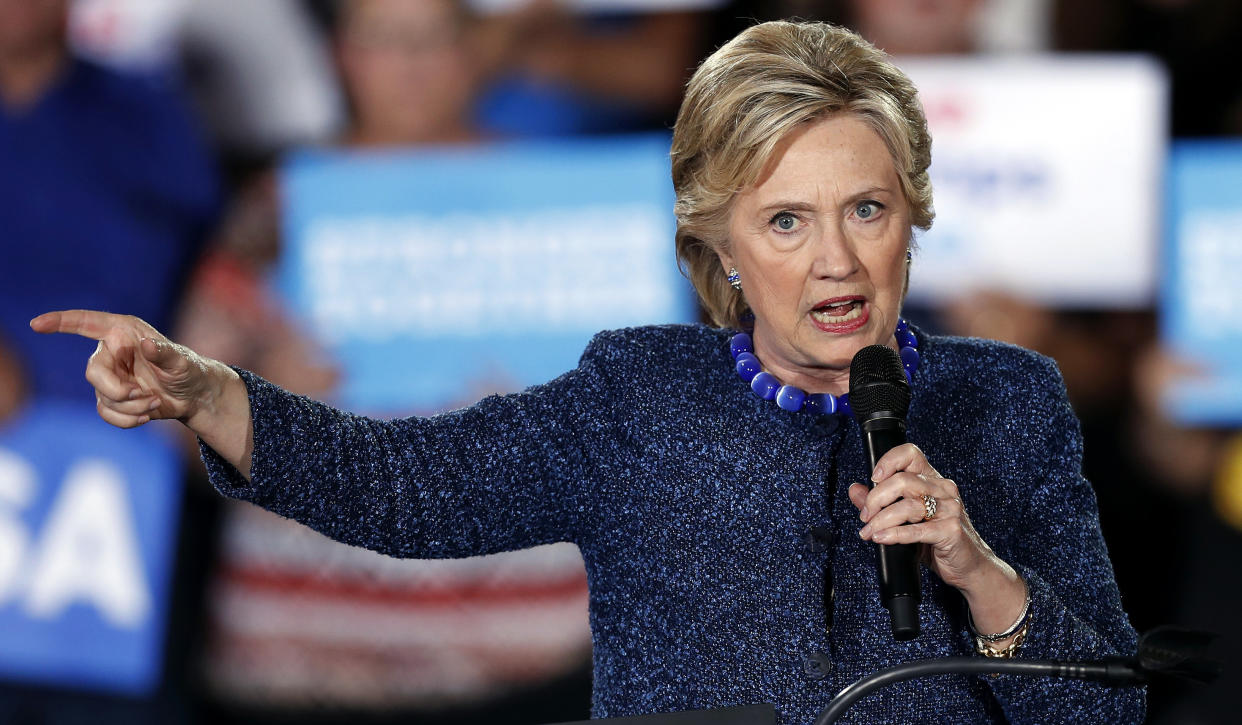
842	314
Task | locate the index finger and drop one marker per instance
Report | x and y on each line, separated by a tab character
87	323
905	457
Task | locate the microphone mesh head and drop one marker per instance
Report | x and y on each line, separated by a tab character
878	383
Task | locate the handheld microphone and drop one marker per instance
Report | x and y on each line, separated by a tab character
880	398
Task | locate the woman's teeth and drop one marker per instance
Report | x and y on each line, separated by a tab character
838	313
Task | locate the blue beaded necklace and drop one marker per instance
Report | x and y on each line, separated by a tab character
793	399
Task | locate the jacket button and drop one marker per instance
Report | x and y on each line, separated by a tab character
816	665
822	538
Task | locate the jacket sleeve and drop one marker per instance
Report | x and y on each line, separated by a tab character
509	472
1076	609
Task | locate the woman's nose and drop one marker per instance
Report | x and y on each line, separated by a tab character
835	257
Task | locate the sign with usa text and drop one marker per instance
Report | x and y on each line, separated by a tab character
87	539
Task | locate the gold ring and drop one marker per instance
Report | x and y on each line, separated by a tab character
929	507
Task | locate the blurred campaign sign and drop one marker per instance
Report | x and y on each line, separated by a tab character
1201	300
438	276
1047	173
87	538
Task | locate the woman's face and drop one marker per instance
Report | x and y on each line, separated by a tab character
407	70
820	244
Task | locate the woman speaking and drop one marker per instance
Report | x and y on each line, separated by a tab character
714	478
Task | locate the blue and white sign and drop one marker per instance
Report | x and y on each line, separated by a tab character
1201	305
436	277
1048	175
87	538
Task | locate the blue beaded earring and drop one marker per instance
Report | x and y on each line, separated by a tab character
735	279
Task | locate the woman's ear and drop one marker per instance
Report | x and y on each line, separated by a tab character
730	271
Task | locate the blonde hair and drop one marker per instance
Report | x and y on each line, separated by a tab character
751	93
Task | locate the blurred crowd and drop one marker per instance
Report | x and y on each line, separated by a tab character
139	145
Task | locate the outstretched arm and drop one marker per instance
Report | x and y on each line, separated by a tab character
139	375
507	473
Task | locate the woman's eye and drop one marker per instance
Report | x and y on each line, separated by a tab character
868	209
785	222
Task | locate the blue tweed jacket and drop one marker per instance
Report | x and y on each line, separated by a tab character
692	501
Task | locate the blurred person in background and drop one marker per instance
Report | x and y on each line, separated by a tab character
410	77
420	74
108	191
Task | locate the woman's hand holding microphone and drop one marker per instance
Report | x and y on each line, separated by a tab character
895	512
139	375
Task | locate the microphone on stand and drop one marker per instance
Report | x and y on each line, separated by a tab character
880	398
1164	651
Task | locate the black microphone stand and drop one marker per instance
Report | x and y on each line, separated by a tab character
1164	650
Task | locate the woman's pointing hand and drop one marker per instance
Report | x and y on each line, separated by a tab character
139	375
